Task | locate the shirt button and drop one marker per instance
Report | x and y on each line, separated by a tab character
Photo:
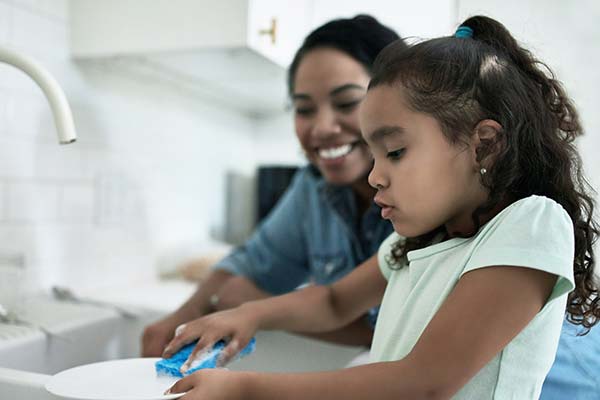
329	267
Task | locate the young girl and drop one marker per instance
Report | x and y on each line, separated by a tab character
476	168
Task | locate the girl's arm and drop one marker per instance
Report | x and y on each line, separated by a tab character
485	311
312	309
323	308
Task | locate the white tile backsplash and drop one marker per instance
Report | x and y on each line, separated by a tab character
145	175
5	22
2	202
32	201
17	158
27	112
76	202
52	161
38	32
147	171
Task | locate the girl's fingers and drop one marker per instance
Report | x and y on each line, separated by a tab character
183	336
183	385
179	329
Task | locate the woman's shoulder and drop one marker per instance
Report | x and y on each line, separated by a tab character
307	175
305	178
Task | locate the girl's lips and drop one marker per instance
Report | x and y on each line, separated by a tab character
386	212
386	209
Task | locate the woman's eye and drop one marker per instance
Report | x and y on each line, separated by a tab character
348	106
304	111
395	155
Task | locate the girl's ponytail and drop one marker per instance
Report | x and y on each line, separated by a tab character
494	34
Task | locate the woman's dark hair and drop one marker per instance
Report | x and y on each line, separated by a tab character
461	81
361	37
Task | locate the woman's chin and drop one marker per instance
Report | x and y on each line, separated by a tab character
340	177
343	174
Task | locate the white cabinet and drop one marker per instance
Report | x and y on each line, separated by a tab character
234	50
421	19
276	28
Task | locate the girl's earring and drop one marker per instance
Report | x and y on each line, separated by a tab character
483	171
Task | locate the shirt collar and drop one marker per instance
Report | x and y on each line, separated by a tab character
341	198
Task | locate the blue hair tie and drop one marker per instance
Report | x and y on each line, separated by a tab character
464	32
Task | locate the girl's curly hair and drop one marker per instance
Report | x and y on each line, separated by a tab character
461	81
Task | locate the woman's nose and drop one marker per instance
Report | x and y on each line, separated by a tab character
326	124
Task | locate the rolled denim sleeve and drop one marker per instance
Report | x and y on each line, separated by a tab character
275	257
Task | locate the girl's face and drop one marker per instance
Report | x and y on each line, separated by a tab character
423	180
328	89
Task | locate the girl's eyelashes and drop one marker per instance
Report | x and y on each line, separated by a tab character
395	154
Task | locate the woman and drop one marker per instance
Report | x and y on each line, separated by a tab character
326	223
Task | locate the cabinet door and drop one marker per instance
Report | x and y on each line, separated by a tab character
422	19
276	28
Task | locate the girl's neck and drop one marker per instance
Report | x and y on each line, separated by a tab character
467	226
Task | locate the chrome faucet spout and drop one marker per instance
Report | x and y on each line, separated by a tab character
58	102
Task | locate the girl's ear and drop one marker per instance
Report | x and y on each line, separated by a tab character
486	137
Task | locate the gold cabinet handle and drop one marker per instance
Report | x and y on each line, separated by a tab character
272	31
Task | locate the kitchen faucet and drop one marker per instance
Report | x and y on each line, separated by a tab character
63	118
65	129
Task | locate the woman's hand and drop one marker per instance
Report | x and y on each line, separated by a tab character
235	326
211	384
157	335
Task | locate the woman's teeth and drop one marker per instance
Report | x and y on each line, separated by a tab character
335	152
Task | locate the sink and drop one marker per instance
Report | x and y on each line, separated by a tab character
82	334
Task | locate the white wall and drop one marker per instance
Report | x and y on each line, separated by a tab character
419	19
566	36
146	173
276	141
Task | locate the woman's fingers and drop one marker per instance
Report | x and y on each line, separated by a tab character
204	346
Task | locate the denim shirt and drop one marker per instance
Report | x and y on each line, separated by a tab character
575	373
314	234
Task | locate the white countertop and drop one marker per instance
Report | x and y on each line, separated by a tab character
147	299
162	296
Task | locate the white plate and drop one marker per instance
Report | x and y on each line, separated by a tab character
129	379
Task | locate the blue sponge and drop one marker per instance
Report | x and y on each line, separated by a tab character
170	366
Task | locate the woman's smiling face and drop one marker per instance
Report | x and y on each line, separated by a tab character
329	86
423	181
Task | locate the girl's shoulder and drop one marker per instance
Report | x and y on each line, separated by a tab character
533	220
533	209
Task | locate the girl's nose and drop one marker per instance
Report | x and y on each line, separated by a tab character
376	179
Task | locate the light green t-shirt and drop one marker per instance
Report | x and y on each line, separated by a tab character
534	232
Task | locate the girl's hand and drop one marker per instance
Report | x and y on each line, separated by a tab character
235	326
211	384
